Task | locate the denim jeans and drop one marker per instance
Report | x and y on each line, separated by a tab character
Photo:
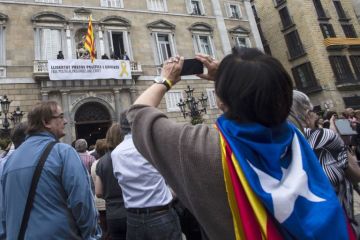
161	225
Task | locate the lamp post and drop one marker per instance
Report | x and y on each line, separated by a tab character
192	105
5	104
15	117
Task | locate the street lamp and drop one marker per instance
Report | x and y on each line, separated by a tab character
5	104
193	106
15	117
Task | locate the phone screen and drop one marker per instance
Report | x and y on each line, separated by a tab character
191	67
344	128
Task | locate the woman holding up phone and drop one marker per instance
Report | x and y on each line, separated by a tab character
241	178
339	164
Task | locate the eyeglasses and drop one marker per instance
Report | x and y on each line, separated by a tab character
61	115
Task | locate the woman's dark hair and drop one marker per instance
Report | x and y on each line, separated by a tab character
255	87
114	136
18	134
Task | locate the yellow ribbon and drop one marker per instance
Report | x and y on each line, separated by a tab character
123	69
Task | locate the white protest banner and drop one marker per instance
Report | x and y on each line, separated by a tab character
76	69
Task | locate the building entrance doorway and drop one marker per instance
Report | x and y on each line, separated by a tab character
92	121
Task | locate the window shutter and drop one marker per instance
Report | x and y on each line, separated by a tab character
156	49
172	45
211	98
212	49
149	4
198	44
188	6
172	98
239	11
55	44
202	8
127	45
227	9
248	42
164	5
45	43
103	3
110	42
2	50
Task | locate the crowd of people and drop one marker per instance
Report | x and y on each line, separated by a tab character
270	168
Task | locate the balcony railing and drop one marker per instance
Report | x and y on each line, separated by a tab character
41	68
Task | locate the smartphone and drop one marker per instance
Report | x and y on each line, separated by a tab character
344	128
191	67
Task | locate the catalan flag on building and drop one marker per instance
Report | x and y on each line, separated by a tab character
275	185
89	41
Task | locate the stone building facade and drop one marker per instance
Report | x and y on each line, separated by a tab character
295	33
356	4
147	31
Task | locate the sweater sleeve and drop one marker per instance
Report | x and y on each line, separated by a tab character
182	153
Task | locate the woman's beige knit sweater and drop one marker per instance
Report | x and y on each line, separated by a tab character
189	159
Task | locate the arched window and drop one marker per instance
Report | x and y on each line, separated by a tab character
202	34
49	34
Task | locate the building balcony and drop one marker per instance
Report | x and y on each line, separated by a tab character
41	69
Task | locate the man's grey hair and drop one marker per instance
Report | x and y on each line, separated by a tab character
81	145
301	105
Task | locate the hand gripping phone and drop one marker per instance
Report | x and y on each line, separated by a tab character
191	67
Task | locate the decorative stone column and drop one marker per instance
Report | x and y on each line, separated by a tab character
225	42
65	107
44	95
253	25
118	107
132	94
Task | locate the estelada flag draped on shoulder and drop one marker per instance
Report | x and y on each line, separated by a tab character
89	41
275	185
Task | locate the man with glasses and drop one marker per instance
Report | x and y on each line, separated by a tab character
63	205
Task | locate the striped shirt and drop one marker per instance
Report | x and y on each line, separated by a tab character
87	160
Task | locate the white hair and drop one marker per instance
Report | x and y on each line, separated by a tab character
81	145
301	105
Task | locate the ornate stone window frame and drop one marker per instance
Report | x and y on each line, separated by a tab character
3	20
107	26
201	29
49	20
166	28
240	32
113	3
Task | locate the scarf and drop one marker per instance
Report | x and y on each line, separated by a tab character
275	185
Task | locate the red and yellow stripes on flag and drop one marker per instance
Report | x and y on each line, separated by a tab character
250	218
89	41
341	41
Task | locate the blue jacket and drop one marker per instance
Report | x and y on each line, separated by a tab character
63	206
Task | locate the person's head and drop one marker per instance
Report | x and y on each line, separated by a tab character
124	123
81	145
302	108
47	116
100	147
348	113
329	114
18	134
357	115
253	87
114	136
